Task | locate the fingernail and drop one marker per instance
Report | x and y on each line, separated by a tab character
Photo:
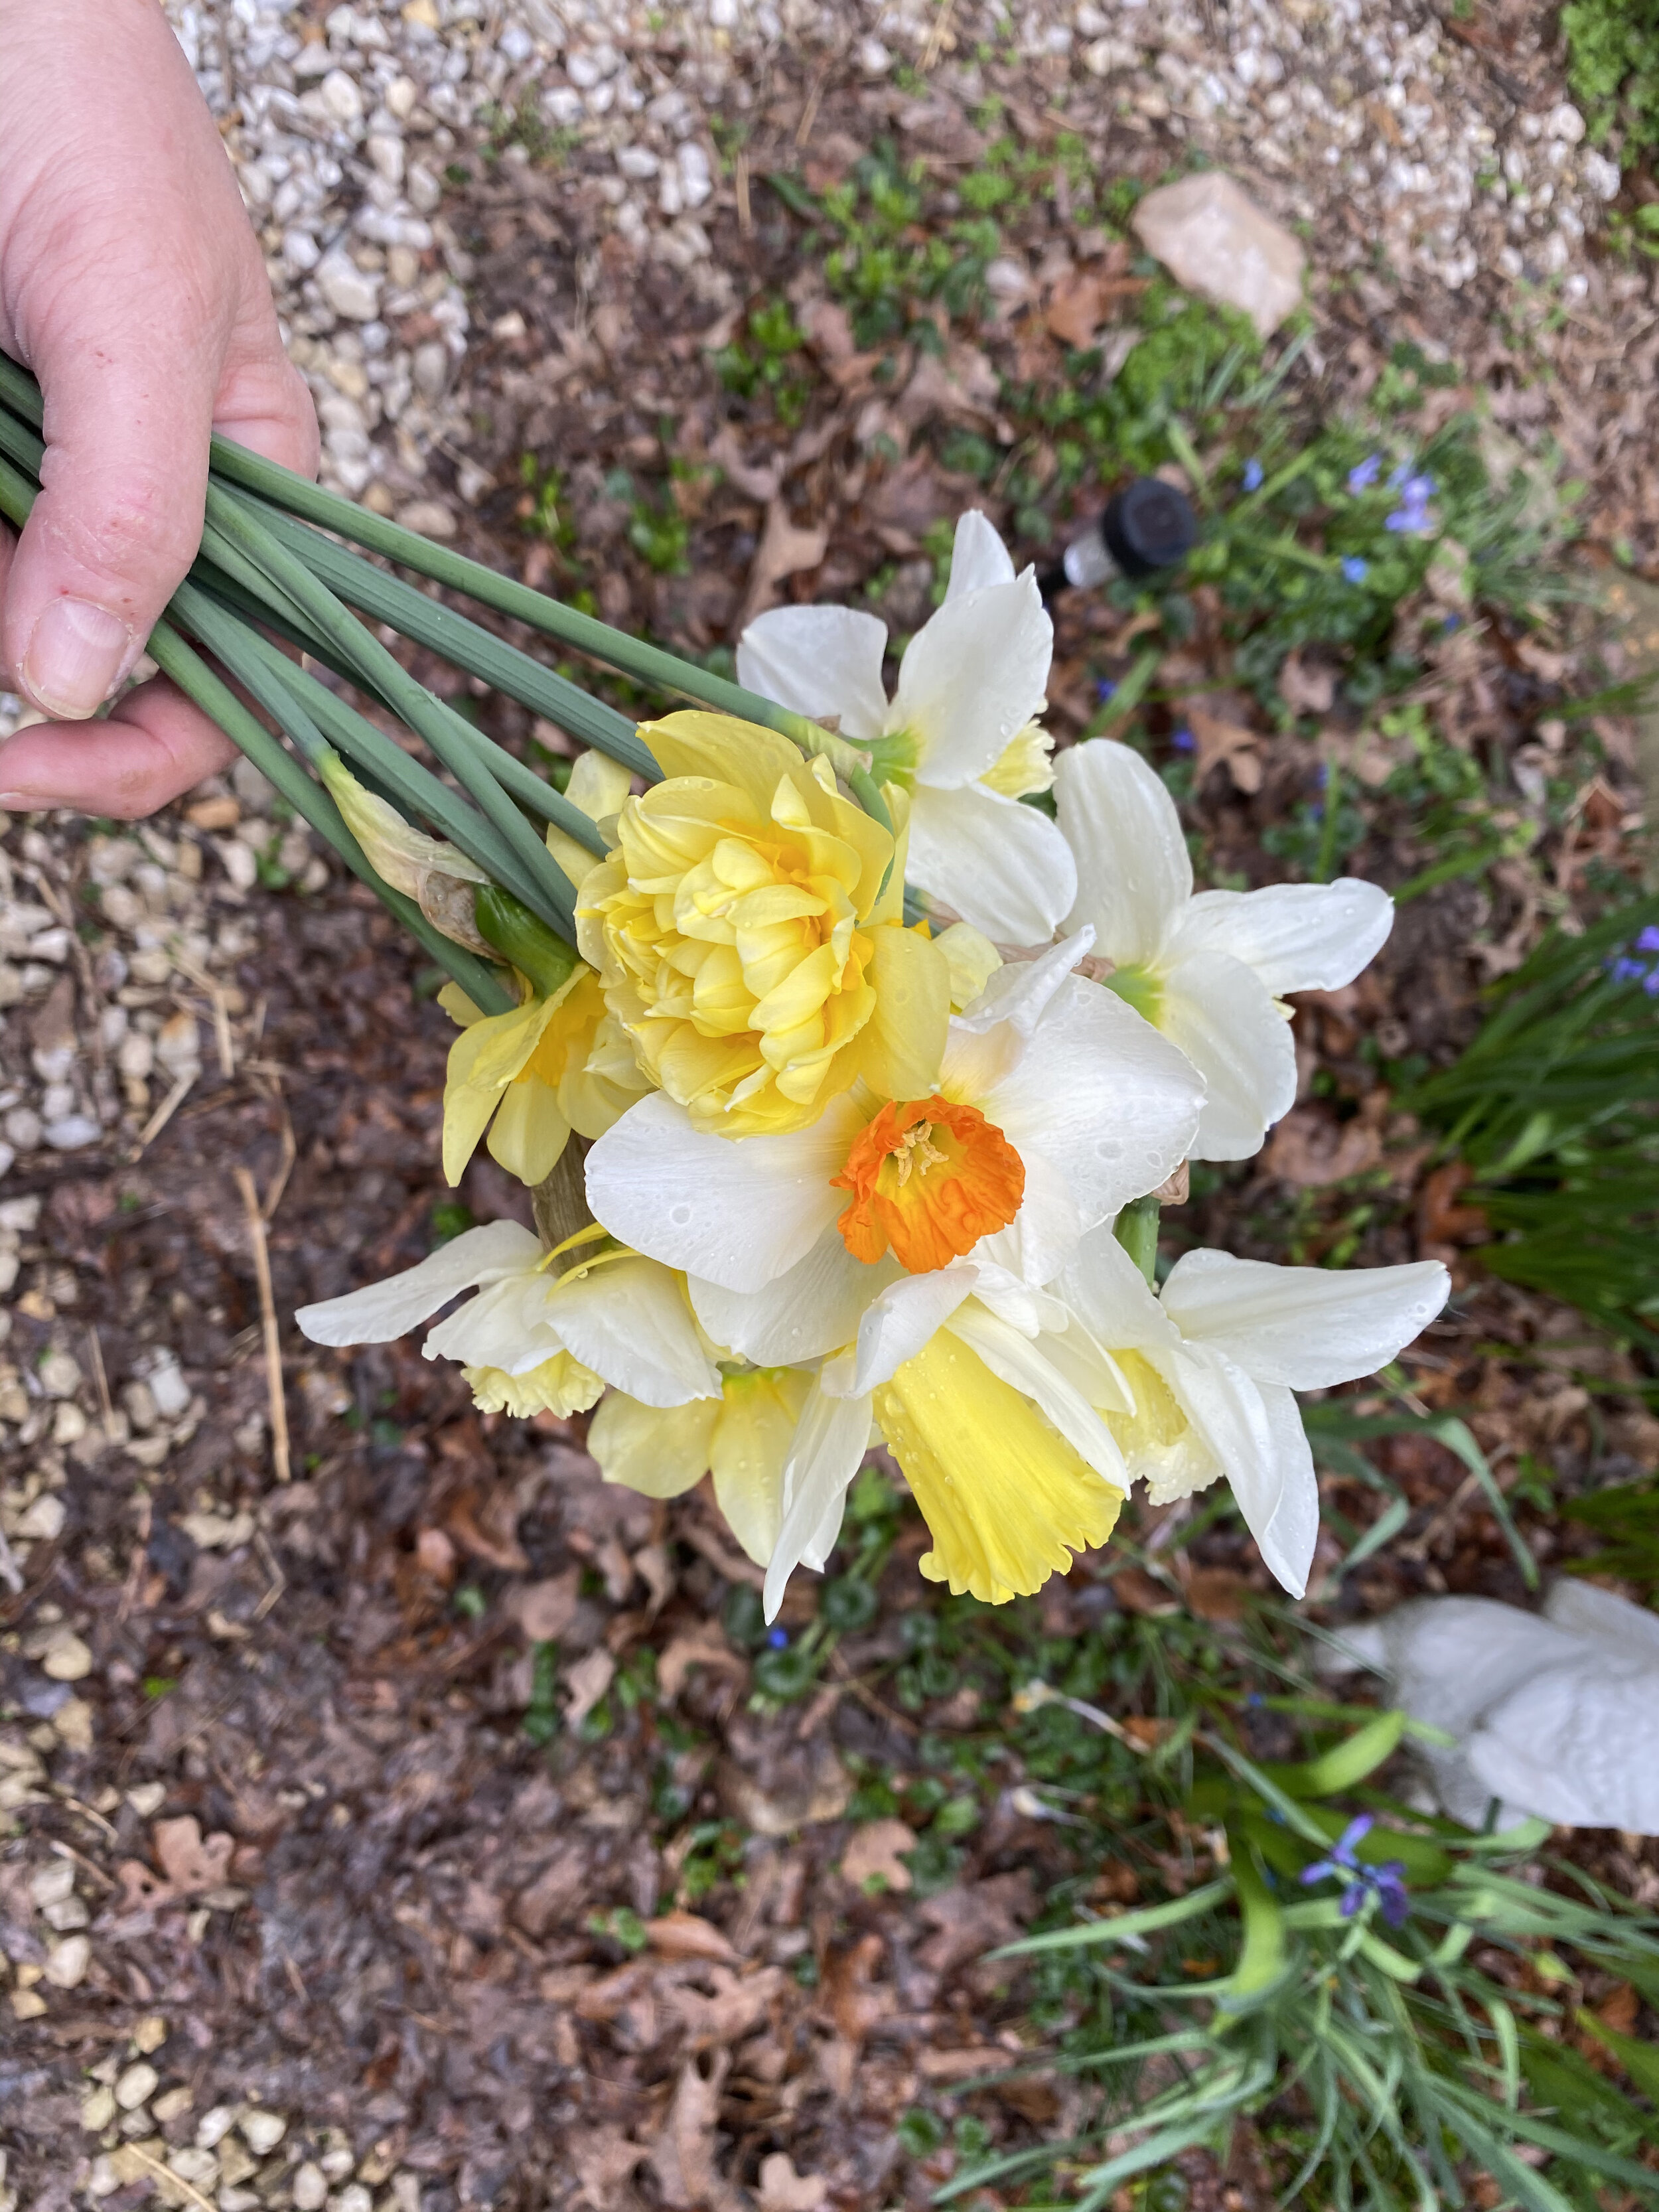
74	658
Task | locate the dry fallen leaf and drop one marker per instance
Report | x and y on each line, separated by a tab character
784	550
604	2159
190	1862
755	480
1077	308
875	1850
971	1919
1306	690
1217	1593
703	1646
683	2156
1311	1148
1215	741
688	1936
545	1610
586	1682
783	2190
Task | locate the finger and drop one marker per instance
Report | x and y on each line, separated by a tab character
149	749
264	403
119	514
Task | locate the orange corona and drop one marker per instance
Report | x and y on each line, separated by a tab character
929	1178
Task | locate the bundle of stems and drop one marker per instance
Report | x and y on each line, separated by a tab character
268	577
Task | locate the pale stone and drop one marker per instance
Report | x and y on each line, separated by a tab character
98	2111
1214	240
68	1661
136	2086
351	291
67	1962
262	2131
310	2187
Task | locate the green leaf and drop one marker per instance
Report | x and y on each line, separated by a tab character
1640	2060
1263	1959
1346	1763
1125	1925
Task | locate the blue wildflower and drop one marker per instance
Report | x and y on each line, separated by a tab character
1356	569
1105	688
1387	1882
1650	982
1253	473
778	1638
1364	474
1183	740
1648	941
1452	621
1624	970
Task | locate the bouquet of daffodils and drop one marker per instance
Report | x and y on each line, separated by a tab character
845	1085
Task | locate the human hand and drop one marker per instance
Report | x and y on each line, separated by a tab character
132	285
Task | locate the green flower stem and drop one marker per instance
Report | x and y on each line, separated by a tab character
465	644
285	691
1136	1230
648	663
545	890
197	681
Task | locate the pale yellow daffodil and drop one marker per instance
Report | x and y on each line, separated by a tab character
749	933
557	1062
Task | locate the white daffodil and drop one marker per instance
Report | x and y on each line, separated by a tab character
1055	1105
1208	971
958	734
1211	1363
547	1330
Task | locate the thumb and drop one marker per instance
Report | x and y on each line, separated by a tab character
128	418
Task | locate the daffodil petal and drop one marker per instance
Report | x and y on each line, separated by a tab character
978	557
736	1213
1256	1433
1100	1094
529	1133
381	1311
902	1048
1308	1327
994	861
1134	874
807	1311
659	1452
1221	1016
1109	1295
819	661
829	1448
972	676
752	1439
629	1320
1297	936
895	1327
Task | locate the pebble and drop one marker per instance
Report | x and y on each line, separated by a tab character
136	2086
67	1963
52	1883
98	2111
215	2124
348	290
262	2131
73	1132
68	1659
310	2187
